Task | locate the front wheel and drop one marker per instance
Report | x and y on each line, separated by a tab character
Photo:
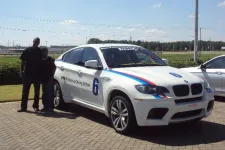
122	116
58	98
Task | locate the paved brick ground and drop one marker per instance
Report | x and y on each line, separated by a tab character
80	128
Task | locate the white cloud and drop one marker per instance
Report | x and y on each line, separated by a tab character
83	28
158	5
221	21
192	16
154	31
126	29
68	22
136	25
221	4
130	29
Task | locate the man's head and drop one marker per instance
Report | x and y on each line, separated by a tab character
44	52
36	42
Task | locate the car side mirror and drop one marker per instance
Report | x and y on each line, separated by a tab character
165	60
202	67
92	64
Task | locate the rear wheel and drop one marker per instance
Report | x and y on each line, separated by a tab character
122	115
58	98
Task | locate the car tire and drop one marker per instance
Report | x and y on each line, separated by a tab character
121	115
196	120
193	122
58	98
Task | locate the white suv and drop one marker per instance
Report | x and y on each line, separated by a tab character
130	85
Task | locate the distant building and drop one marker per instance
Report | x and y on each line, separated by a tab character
60	48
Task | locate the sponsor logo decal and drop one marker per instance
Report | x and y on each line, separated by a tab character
192	105
175	75
185	81
81	83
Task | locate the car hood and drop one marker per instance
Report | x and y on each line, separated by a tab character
161	75
190	69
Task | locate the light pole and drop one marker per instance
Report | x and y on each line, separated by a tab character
196	32
46	43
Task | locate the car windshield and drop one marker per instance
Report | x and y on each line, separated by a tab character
130	56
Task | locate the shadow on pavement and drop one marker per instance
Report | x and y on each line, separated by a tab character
55	114
87	113
220	99
182	135
202	132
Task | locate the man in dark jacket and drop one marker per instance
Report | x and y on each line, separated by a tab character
30	74
48	71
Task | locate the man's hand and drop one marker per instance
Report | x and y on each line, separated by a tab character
22	68
21	74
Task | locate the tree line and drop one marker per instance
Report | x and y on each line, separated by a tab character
168	46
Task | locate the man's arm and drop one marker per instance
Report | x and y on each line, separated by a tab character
22	68
23	58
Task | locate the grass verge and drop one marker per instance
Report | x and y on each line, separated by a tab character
11	93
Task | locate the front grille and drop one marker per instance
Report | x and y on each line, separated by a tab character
181	90
187	114
196	89
187	100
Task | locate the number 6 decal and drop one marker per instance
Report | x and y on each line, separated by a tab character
95	86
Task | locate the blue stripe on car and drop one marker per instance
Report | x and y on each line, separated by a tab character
134	78
128	76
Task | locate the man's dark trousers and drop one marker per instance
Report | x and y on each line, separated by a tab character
27	81
48	94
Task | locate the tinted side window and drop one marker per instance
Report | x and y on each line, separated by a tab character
218	63
90	54
65	55
74	56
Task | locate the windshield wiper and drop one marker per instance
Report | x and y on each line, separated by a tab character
133	65
153	65
139	64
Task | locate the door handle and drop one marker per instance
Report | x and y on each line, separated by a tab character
79	72
61	68
219	73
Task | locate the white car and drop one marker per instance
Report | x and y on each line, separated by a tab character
130	85
214	72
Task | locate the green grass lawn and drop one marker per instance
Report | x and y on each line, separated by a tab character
13	93
184	57
9	59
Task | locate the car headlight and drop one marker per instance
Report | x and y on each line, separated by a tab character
206	84
149	89
207	87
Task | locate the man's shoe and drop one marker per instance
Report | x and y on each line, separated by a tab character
21	110
50	110
43	110
36	109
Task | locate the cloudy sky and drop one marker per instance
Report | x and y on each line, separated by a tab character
71	22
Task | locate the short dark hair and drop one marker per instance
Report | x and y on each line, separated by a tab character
44	49
36	39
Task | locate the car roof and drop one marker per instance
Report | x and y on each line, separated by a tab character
107	45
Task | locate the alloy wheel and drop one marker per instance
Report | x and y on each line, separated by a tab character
119	114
